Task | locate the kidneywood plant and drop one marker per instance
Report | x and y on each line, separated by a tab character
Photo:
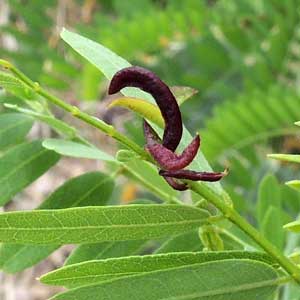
204	250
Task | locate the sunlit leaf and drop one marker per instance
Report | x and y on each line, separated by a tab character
142	107
150	111
295	184
293	226
286	157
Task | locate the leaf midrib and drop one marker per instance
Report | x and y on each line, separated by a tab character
103	226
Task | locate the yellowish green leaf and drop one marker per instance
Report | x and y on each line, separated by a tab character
183	93
142	107
286	157
295	184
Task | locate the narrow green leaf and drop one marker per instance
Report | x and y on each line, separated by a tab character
92	272
92	188
293	226
104	59
272	226
295	184
21	165
15	86
183	93
97	224
286	157
141	107
104	250
109	63
73	149
57	125
218	280
268	195
13	128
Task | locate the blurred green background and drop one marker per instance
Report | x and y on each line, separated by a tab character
243	57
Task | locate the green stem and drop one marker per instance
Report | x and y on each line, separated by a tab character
238	220
76	112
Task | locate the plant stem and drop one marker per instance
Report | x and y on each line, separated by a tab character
232	215
76	112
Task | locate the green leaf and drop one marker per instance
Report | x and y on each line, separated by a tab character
92	272
226	279
13	128
141	107
58	125
22	165
295	184
297	123
107	249
93	188
286	157
73	149
188	241
15	86
104	250
109	63
293	226
89	189
268	195
183	93
97	224
272	226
